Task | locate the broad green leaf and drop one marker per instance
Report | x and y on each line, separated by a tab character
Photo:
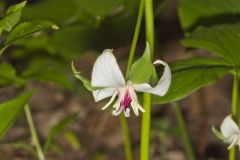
12	17
10	110
45	70
191	74
143	69
58	129
26	28
222	40
193	13
218	134
86	82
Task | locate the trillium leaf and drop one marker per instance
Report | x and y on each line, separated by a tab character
26	28
192	74
207	12
86	82
10	110
222	40
143	70
218	134
12	17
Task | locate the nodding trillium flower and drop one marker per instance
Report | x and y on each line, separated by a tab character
108	81
230	131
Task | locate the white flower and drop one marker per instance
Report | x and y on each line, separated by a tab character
107	75
230	131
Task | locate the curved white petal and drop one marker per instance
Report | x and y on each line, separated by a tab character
229	127
103	93
135	105
233	141
110	101
163	84
106	72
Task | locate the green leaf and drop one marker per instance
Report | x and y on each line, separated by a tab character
143	69
46	70
86	82
218	134
193	13
191	74
222	40
26	28
10	110
58	128
12	17
7	74
72	139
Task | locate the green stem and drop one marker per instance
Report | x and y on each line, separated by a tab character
145	131
146	117
123	120
34	136
126	137
183	131
149	20
234	111
135	37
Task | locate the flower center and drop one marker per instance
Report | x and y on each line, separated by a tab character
126	101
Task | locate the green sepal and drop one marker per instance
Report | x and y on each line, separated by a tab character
86	82
218	134
142	70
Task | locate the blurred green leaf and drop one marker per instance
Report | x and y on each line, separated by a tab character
12	17
188	76
193	13
58	128
72	139
10	110
45	70
26	28
143	69
7	74
25	146
221	39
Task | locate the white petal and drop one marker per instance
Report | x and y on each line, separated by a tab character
106	72
127	112
110	101
135	105
229	127
116	112
103	93
233	141
163	84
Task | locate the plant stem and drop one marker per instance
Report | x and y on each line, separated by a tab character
123	120
183	131
234	110
149	20
126	137
145	131
135	37
34	136
146	117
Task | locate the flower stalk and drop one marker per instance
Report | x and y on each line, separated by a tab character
146	117
183	131
234	110
123	120
34	135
